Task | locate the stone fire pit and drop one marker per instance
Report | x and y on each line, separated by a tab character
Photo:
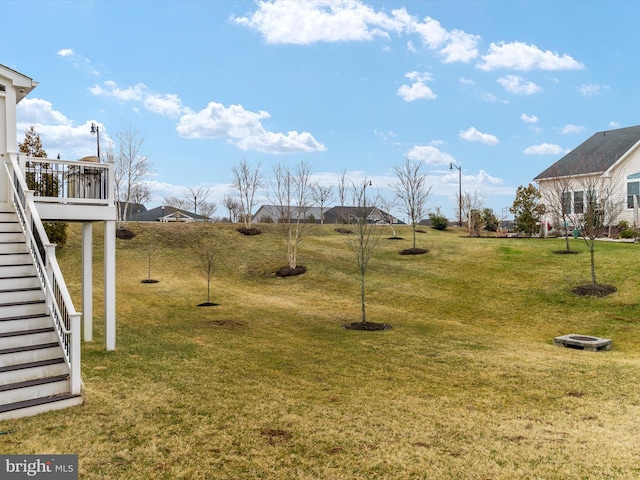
583	342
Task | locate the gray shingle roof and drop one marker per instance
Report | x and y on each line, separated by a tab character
597	154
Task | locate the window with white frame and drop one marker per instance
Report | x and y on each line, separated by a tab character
633	189
578	202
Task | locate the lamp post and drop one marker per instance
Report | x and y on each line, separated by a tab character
95	130
451	165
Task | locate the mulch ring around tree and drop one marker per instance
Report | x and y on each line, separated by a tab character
149	280
290	272
395	238
413	251
566	252
207	304
367	326
345	231
124	234
597	290
249	231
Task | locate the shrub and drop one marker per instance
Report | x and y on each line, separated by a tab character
438	221
56	232
627	233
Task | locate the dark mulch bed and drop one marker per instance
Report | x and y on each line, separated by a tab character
344	230
290	272
419	230
413	251
367	326
207	304
597	290
249	231
149	280
565	252
226	323
395	238
124	234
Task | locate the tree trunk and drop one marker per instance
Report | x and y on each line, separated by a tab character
364	314
593	262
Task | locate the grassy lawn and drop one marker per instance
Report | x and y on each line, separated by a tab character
268	385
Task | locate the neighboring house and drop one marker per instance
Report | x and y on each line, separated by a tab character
346	214
610	160
139	213
273	213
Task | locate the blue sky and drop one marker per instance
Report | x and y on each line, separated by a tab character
503	89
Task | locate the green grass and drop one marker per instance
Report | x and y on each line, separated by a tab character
268	385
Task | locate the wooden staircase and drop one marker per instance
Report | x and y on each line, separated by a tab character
34	376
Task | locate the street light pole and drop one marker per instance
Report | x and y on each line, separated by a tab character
451	165
95	130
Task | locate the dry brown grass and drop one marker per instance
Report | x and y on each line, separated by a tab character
269	385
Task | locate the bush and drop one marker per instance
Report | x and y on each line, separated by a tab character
56	232
439	222
627	233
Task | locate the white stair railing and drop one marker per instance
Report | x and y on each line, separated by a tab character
66	319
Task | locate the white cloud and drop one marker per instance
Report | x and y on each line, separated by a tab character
528	118
525	57
411	47
545	149
418	89
570	128
518	85
65	52
614	124
305	22
39	111
77	60
473	135
244	128
430	155
168	104
128	94
591	90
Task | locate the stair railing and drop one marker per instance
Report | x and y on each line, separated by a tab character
66	319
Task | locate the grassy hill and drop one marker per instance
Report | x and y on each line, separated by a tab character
267	384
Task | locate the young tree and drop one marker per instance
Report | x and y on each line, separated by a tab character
207	209
595	208
32	144
412	191
206	255
176	202
149	245
557	201
365	239
343	190
490	220
527	209
247	181
291	195
130	169
470	206
197	195
233	206
387	205
321	196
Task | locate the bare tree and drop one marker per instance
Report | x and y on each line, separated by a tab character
556	197
247	181
471	207
206	255
412	191
130	169
149	245
207	209
343	190
197	195
291	195
321	196
365	239
234	207
176	202
595	209
387	205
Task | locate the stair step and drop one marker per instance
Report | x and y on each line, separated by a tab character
39	405
22	308
20	295
26	338
24	281
20	269
15	259
29	353
37	388
33	371
25	322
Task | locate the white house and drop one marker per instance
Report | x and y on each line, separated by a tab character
40	329
606	166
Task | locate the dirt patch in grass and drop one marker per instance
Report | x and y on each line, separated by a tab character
345	231
226	323
275	435
124	234
290	272
413	251
249	231
367	326
597	290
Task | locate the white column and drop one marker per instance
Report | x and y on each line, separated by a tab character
110	285
87	280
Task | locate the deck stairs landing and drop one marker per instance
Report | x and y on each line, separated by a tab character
34	376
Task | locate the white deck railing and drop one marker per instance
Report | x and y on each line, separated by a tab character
66	319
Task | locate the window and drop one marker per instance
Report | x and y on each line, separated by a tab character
578	202
633	190
566	203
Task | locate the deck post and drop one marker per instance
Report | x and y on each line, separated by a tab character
110	284
87	280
